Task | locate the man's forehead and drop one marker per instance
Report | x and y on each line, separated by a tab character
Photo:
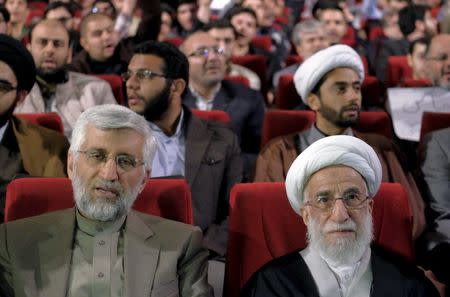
200	40
50	32
438	42
145	61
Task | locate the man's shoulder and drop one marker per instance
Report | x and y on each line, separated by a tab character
163	225
81	80
50	139
219	130
283	142
376	140
235	89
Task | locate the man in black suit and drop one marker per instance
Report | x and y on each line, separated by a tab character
207	91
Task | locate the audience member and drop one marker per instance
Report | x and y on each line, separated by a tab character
438	61
391	29
206	153
329	82
64	13
57	89
333	19
416	58
436	171
415	22
225	34
308	38
4	19
331	185
207	90
102	52
25	149
102	247
167	20
18	11
104	7
186	21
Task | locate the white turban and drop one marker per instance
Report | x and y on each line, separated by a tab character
315	67
329	151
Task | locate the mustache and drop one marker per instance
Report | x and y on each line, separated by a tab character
114	187
335	227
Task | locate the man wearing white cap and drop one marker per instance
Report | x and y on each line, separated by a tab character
331	186
329	82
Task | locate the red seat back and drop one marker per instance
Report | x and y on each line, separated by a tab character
263	226
176	41
286	96
256	63
282	122
116	83
50	120
26	197
263	41
293	59
212	115
397	71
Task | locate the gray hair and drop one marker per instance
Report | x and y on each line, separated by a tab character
307	26
112	116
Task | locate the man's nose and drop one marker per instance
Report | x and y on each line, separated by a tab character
108	170
339	212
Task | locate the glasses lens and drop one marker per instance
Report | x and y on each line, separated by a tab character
126	162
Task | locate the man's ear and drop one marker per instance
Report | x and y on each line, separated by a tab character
370	205
70	160
144	180
83	43
69	56
409	59
313	102
305	215
178	86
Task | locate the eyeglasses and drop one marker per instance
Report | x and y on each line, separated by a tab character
6	86
351	200
439	58
141	74
124	162
205	51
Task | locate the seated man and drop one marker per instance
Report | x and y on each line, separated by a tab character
436	171
225	34
332	17
207	90
308	37
57	89
329	82
104	52
331	186
25	149
416	58
438	61
206	153
102	247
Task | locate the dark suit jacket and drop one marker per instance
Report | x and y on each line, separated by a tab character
290	276
212	166
161	257
246	110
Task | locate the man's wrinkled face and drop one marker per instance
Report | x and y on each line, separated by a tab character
49	46
186	15
417	61
312	42
245	25
339	98
101	39
438	61
340	235
335	25
102	190
206	60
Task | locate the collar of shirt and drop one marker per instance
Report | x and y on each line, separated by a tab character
204	103
3	130
161	136
93	227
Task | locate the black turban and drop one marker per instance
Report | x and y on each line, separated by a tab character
14	53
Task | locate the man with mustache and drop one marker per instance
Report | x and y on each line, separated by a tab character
331	185
206	153
329	82
437	60
57	89
208	90
102	247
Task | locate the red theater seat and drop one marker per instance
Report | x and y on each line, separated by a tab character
256	63
116	83
238	79
263	226
212	115
397	71
50	120
263	41
26	197
282	122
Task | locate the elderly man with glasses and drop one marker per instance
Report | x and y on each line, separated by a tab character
208	90
102	247
331	185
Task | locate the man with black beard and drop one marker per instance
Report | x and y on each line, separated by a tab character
329	82
57	89
331	185
25	149
206	153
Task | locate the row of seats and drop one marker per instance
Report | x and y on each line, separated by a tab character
262	223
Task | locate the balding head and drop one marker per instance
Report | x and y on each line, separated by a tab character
438	60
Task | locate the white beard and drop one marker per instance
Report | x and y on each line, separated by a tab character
101	209
343	251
